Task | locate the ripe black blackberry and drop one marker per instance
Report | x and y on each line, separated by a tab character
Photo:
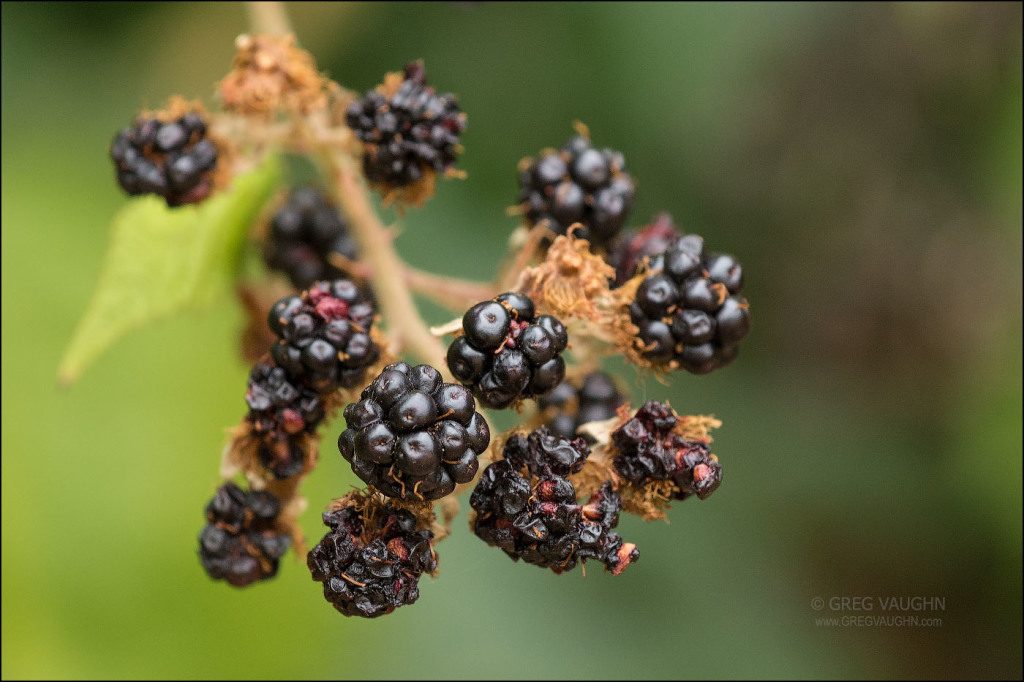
406	133
649	448
239	544
572	404
507	351
688	312
304	234
412	436
526	505
578	184
324	336
172	159
370	561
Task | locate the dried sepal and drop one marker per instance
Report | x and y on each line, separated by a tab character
370	504
270	74
625	335
572	282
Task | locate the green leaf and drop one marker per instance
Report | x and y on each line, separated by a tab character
162	260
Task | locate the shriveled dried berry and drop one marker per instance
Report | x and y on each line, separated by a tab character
526	505
649	448
370	561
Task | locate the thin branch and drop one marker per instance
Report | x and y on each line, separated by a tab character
452	293
407	328
269	18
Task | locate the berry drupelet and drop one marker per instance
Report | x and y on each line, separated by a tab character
578	184
407	133
412	436
526	505
572	404
324	335
649	448
304	234
370	564
239	543
174	159
688	312
507	352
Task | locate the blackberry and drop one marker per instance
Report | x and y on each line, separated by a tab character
407	133
688	311
239	543
324	335
649	448
280	411
526	505
304	234
172	159
572	404
413	437
371	563
508	352
577	184
276	404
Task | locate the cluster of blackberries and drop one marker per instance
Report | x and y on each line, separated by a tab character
371	563
688	311
280	410
526	505
324	335
507	352
239	543
578	184
413	437
573	404
303	235
648	448
405	135
173	160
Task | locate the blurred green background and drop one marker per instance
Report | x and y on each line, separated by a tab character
862	161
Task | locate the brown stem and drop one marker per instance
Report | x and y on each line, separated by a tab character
407	328
269	18
455	294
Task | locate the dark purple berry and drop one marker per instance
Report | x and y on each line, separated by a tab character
412	132
240	544
410	434
173	160
578	184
